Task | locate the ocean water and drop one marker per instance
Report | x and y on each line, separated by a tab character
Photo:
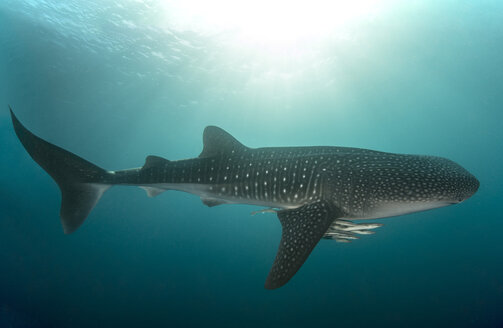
115	81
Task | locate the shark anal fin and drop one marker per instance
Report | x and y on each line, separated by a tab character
216	142
302	229
210	202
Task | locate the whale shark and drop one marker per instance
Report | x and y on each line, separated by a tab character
316	192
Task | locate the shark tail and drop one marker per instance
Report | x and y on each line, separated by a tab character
81	183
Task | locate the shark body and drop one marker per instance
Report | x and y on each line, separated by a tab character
316	192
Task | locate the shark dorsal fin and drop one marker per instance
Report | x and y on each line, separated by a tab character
154	161
216	142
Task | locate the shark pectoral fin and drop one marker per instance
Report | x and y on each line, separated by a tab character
302	229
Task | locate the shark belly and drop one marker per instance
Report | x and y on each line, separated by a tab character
211	194
389	209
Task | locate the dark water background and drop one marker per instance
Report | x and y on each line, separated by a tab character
101	79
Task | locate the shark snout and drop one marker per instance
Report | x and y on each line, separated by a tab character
475	184
468	188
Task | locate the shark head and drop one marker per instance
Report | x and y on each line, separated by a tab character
455	182
401	184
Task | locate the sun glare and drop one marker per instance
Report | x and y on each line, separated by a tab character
267	21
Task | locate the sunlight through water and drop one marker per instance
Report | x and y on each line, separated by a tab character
270	25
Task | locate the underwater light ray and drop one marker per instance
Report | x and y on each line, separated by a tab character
269	22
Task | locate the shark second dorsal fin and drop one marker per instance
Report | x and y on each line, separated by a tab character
216	141
302	229
154	161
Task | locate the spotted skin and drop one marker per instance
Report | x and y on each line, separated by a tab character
303	227
315	191
363	184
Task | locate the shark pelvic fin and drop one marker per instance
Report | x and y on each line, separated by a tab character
216	142
152	191
81	182
302	229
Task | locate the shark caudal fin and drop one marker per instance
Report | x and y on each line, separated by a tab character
81	182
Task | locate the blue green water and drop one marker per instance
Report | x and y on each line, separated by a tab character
109	82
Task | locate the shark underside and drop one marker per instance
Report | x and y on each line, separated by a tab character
316	192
